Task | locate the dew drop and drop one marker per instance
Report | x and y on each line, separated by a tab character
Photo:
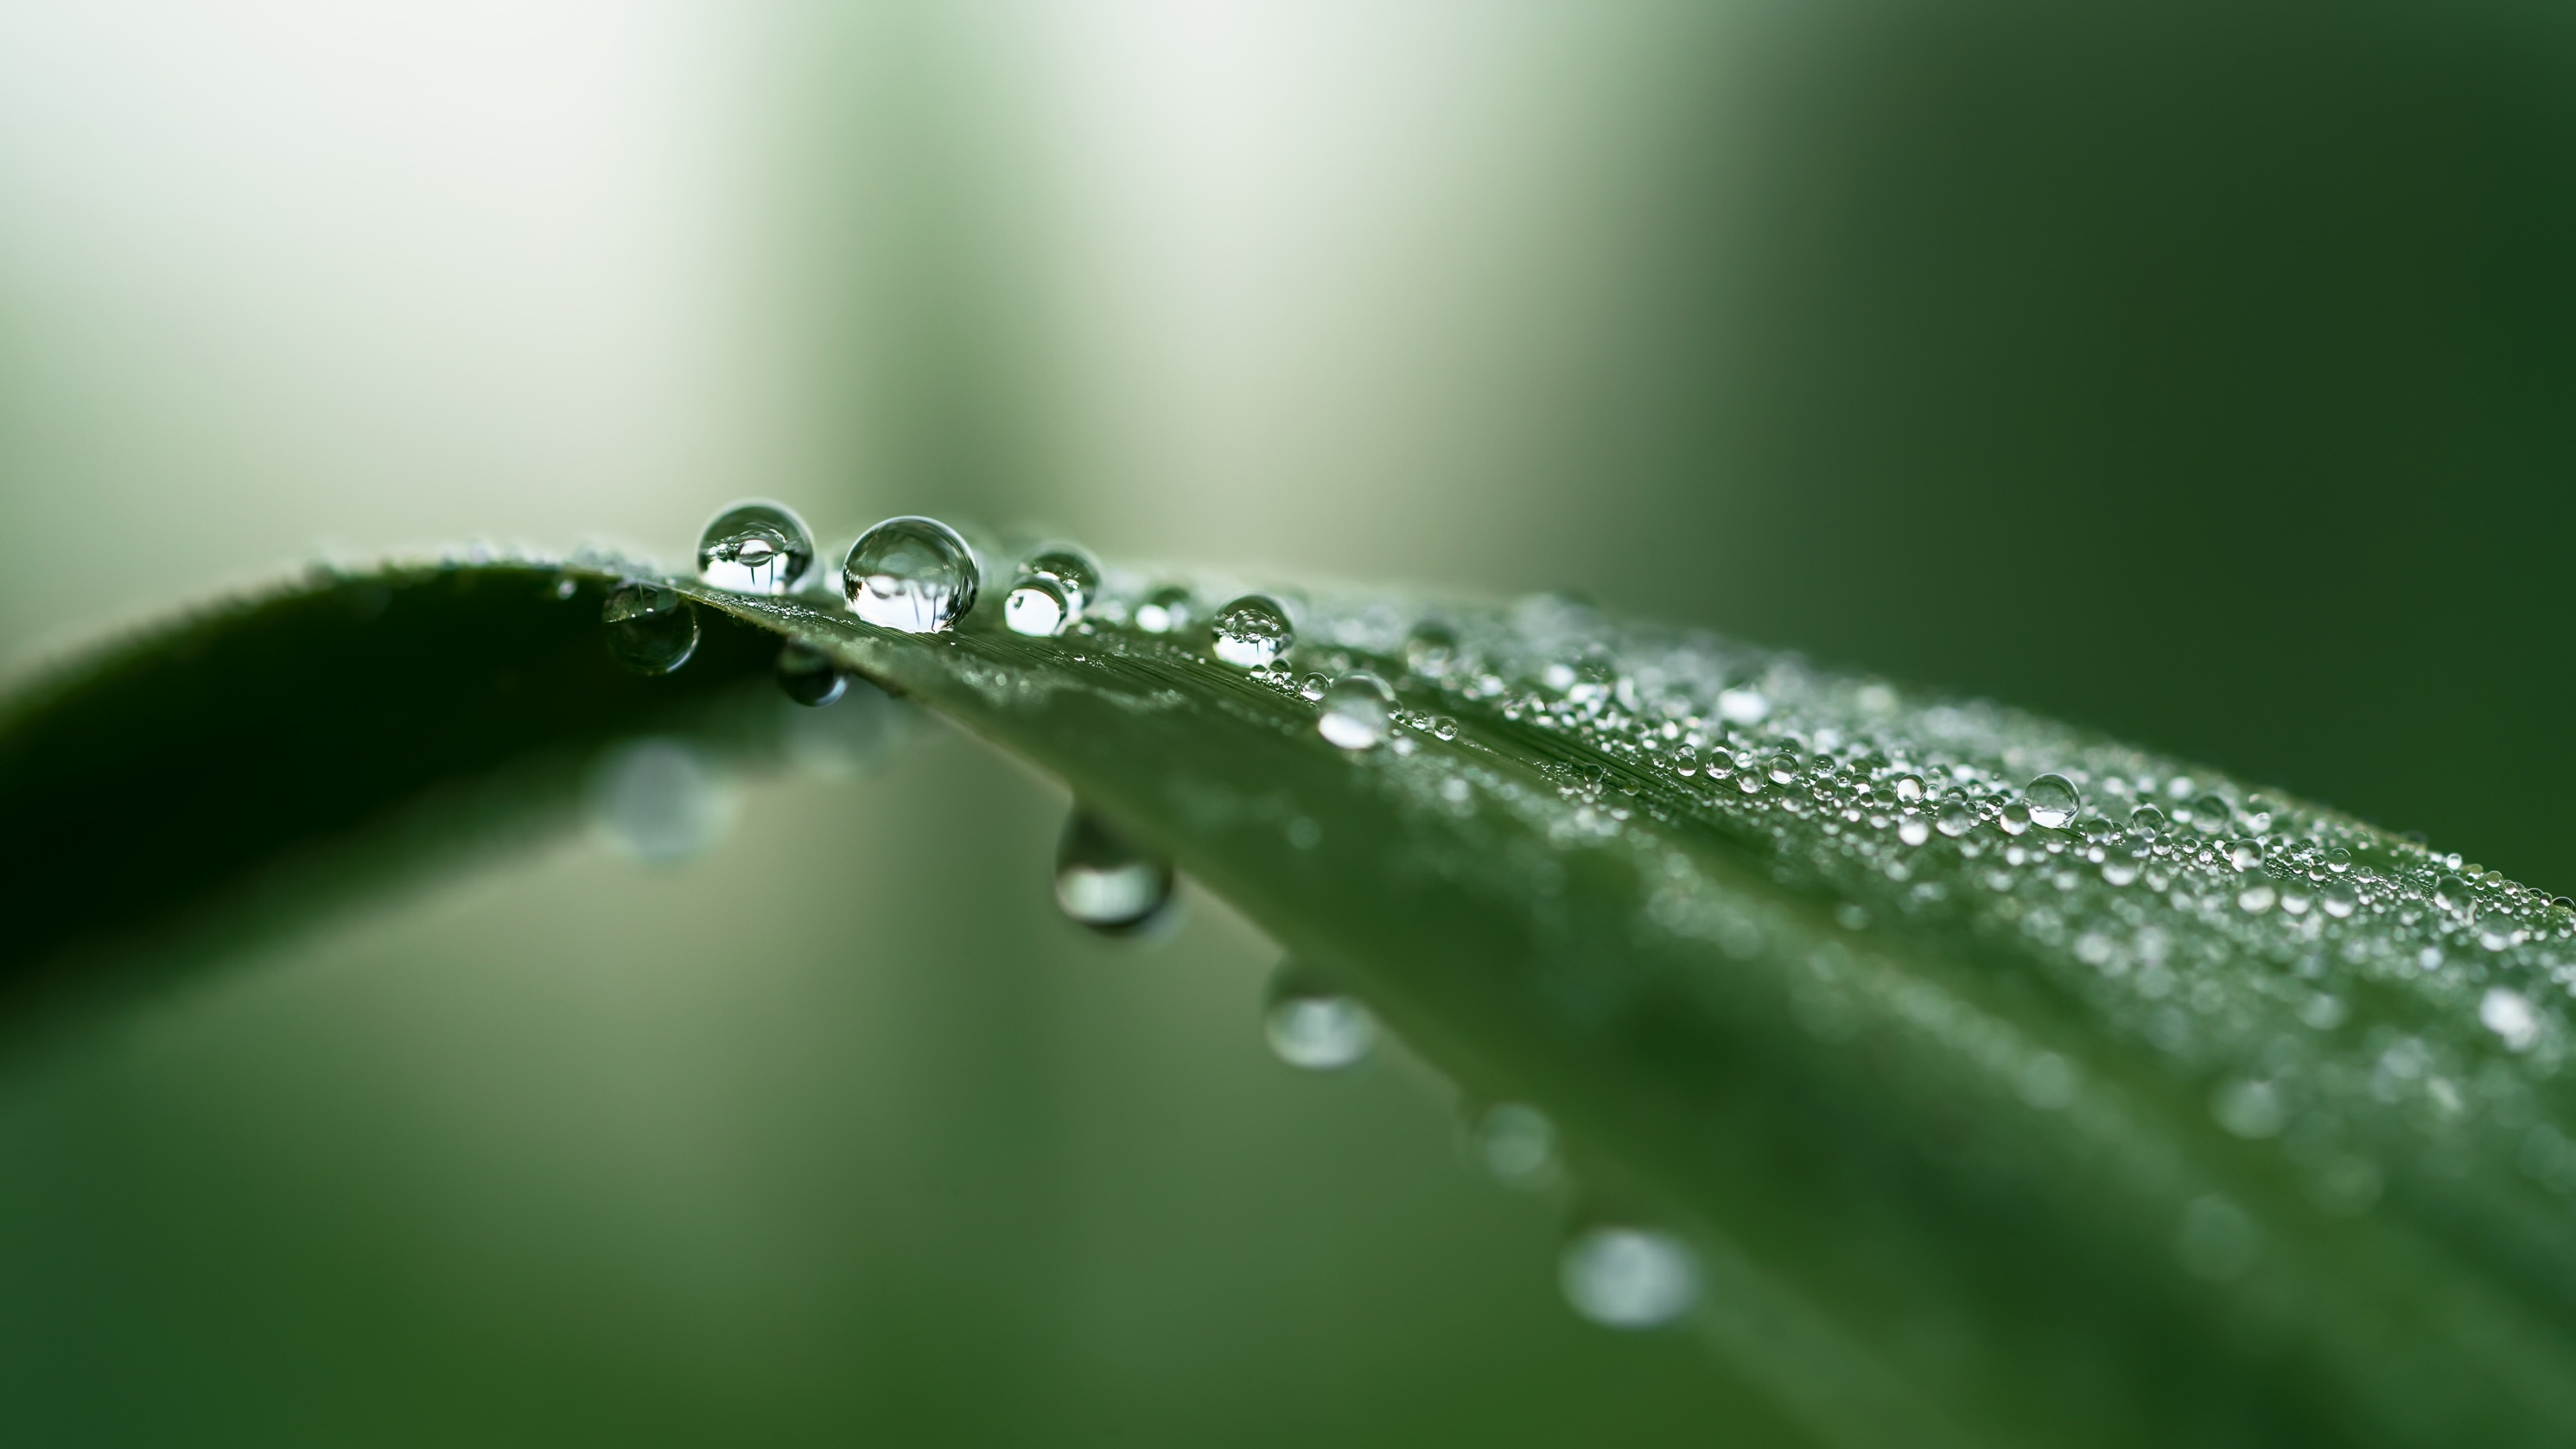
1166	610
2119	870
1912	830
1314	1025
2254	900
2497	931
1252	632
2013	818
650	628
912	574
656	801
2338	860
1517	1145
1955	820
1073	571
1782	767
1430	648
2451	893
1443	727
1909	789
755	547
1355	711
2054	801
2339	898
1037	607
2245	854
1629	1277
2148	818
1107	882
2209	815
1312	687
809	677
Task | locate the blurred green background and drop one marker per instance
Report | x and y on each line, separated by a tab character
2199	372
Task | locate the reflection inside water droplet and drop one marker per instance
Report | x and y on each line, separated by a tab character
1251	632
1312	1023
1355	711
1629	1277
913	574
650	628
1955	820
755	547
2054	801
1037	607
1107	882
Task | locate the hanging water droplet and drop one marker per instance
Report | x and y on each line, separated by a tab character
1107	882
809	677
1075	573
655	801
1252	632
2054	801
1517	1144
913	574
1956	820
1166	610
650	628
1355	711
1037	607
1312	1023
1629	1277
755	547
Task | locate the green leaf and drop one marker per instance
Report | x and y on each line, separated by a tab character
2176	1114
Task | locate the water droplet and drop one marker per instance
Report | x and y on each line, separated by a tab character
755	547
2216	1240
2338	860
2054	802
2014	818
651	629
2119	870
2451	893
1429	648
2147	818
1107	882
1443	727
2254	900
1955	820
2245	854
1313	686
1073	571
912	574
1743	706
809	677
1355	711
656	801
1782	767
1252	632
1913	830
1166	610
2339	898
2210	815
1313	1024
2498	930
1686	762
2249	1109
1037	607
1629	1277
1909	789
1517	1144
566	588
2509	1015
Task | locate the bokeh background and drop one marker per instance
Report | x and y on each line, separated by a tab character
2201	372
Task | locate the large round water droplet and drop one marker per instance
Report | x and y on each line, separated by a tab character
2147	818
1166	610
755	547
1106	881
1314	1024
657	802
1909	789
913	574
809	677
1074	572
1037	607
650	628
1629	1277
2054	801
1355	711
2210	815
1251	632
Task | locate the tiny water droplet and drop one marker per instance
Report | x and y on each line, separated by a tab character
1443	727
1073	571
566	588
1629	1278
650	628
809	677
2054	801
1252	632
1107	882
1037	607
755	547
1166	610
1355	711
1313	1024
1313	686
1955	820
912	574
1517	1145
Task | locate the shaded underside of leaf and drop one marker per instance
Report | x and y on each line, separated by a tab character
2114	1130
